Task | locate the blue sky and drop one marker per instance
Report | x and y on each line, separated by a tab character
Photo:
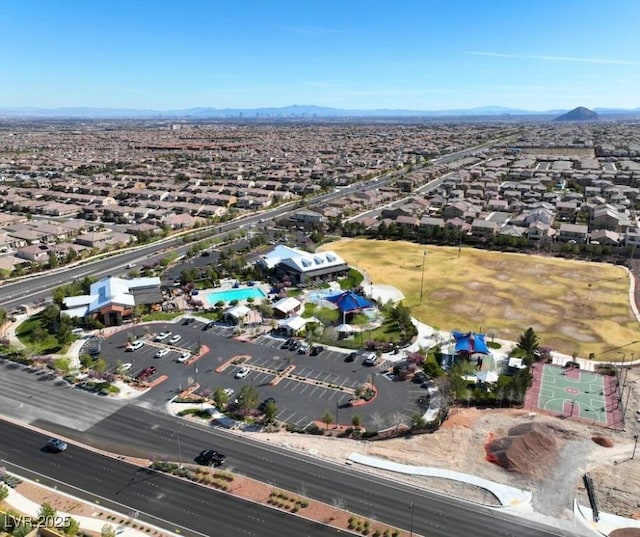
419	54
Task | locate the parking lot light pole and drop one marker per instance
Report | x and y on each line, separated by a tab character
635	445
424	257
337	409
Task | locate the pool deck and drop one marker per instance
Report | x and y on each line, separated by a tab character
228	285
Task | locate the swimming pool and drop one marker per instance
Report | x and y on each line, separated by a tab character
235	294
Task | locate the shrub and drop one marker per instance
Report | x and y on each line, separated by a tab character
352	522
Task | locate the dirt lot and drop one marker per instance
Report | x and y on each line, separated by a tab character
555	477
574	306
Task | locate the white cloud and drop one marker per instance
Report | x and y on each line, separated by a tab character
551	58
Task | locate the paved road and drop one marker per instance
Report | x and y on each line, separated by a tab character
172	504
138	431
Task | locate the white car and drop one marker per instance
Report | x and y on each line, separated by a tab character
175	339
125	367
161	352
241	373
183	357
135	345
370	359
162	336
228	392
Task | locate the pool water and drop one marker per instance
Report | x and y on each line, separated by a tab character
235	294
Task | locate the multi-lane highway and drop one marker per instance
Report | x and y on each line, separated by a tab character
149	433
172	504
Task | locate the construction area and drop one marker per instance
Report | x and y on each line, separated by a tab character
540	452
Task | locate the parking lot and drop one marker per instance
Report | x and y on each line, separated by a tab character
319	384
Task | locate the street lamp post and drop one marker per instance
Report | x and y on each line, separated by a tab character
635	445
412	507
424	257
337	409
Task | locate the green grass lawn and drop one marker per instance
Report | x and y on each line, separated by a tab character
38	345
574	306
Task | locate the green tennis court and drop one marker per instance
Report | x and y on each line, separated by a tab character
574	393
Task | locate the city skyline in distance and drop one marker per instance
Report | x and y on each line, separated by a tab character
363	56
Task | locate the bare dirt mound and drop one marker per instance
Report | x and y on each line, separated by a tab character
602	441
625	532
527	448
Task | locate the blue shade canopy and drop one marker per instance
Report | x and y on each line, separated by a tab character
349	301
470	342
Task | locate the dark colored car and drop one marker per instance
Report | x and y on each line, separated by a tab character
146	373
351	357
316	349
287	343
210	324
420	377
189	320
264	403
210	457
56	445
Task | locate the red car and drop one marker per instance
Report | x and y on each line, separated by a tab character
146	373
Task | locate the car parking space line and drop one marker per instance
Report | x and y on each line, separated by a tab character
287	419
318	373
304	386
303	419
314	390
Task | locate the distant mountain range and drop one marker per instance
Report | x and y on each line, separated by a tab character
290	112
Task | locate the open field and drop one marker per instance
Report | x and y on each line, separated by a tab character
574	306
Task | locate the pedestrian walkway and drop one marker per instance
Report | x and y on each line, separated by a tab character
606	524
507	496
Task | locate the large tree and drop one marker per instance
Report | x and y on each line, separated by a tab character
529	343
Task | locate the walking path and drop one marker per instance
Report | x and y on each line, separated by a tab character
95	524
508	496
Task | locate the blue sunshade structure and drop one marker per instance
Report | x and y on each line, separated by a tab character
470	342
349	301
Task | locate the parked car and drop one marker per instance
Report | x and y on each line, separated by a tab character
162	336
419	377
241	373
351	356
56	445
210	457
228	392
175	339
146	373
184	357
134	345
288	342
125	367
264	403
188	321
161	352
370	358
210	324
303	348
316	349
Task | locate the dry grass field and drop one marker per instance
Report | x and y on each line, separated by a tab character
574	306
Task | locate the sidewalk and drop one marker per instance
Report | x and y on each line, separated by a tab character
129	528
508	496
